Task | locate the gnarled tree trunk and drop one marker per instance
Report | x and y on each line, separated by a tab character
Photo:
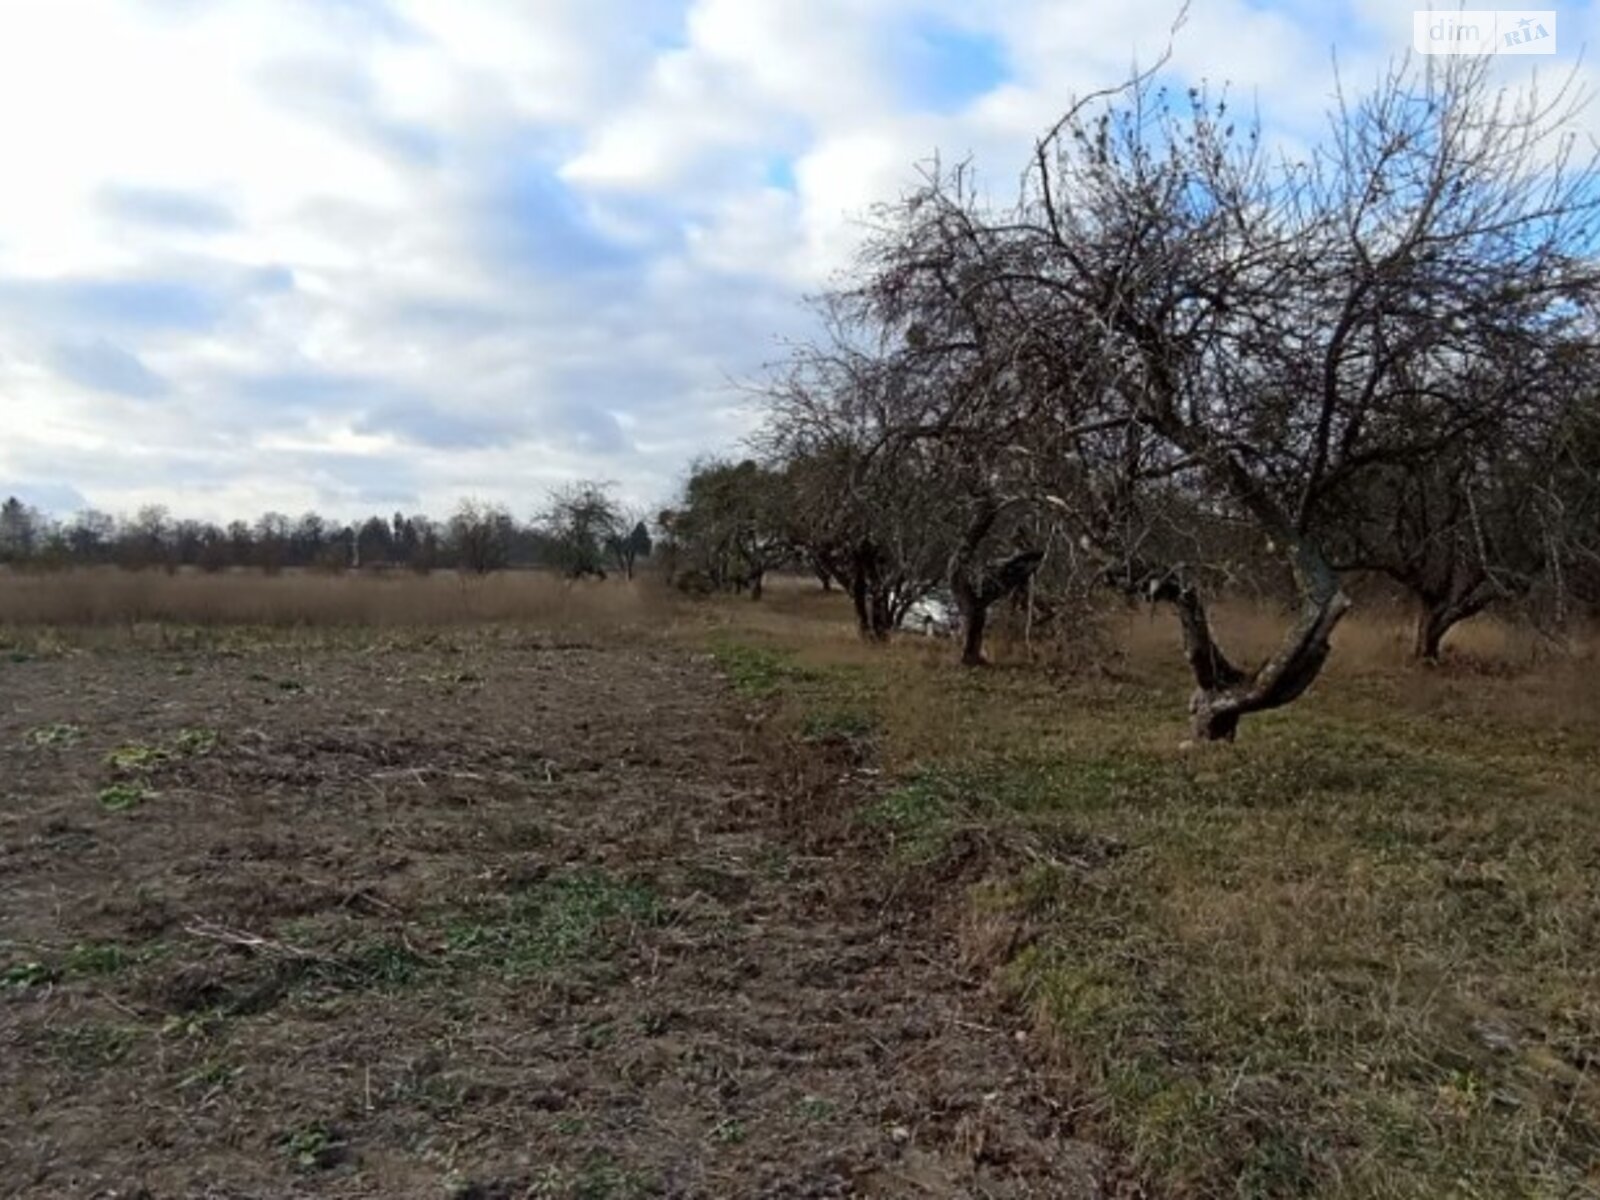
1430	631
977	588
974	621
860	601
871	599
1439	614
1224	693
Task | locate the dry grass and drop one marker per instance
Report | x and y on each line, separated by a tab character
109	596
1356	954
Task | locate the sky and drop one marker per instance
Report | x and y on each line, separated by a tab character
369	255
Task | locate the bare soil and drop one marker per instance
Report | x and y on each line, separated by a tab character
479	916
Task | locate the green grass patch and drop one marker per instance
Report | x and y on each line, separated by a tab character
136	759
97	958
91	1046
916	817
846	723
375	963
55	735
578	918
123	796
756	672
1294	981
29	974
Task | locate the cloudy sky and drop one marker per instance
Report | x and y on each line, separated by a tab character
362	255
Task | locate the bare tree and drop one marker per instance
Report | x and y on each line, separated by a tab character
580	521
1179	331
977	386
629	541
1483	520
1268	325
481	536
867	504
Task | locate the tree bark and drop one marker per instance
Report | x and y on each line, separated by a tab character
977	586
870	609
858	600
974	616
978	590
1438	617
1224	694
882	615
1217	705
973	624
1430	632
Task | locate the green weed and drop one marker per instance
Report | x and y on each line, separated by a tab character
55	735
30	974
96	958
136	759
557	922
120	797
753	671
92	1046
195	743
314	1147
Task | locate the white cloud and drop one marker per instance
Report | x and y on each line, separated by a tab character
281	253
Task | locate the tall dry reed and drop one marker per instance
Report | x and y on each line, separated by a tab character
111	596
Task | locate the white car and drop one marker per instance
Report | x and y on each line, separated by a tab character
934	616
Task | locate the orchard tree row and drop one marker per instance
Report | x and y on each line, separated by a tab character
1179	361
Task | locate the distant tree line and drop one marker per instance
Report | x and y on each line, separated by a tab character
583	530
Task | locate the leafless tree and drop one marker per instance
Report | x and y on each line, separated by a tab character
630	540
1173	327
868	504
481	536
1268	325
580	520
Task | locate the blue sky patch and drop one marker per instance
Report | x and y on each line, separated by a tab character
780	173
943	68
532	222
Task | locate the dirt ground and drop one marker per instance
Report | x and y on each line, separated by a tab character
470	916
